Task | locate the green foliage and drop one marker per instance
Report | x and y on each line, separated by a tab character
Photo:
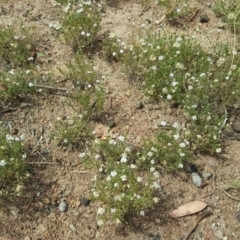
121	185
16	84
229	10
178	69
81	24
13	172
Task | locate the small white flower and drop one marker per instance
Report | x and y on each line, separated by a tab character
95	194
156	174
121	51
194	118
150	154
108	178
124	158
152	169
156	185
88	34
83	154
142	213
180	165
124	178
100	211
139	179
156	200
154	68
160	58
182	145
16	37
121	138
100	169
113	210
152	161
169	97
118	221
97	156
218	150
113	173
163	123
12	72
182	154
80	10
83	33
24	156
30	84
2	163
171	75
115	184
133	166
112	142
128	149
30	59
176	136
28	71
100	222
114	54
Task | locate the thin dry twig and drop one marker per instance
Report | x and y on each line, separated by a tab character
236	199
50	87
41	162
194	224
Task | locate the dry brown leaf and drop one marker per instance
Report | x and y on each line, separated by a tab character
101	131
188	209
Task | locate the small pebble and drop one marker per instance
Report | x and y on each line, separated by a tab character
139	105
238	216
204	18
190	168
206	175
85	201
197	180
236	125
62	206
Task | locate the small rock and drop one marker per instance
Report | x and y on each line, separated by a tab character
197	180
14	131
236	125
190	168
139	105
27	238
85	201
206	175
14	210
238	216
219	234
204	18
62	206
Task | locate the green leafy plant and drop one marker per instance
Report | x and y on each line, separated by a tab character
16	83
15	48
81	24
13	172
177	69
121	186
230	12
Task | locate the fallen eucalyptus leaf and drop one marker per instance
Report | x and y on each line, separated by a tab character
188	209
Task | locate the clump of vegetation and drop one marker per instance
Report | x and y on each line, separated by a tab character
16	49
13	171
230	12
177	69
81	24
122	186
86	102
